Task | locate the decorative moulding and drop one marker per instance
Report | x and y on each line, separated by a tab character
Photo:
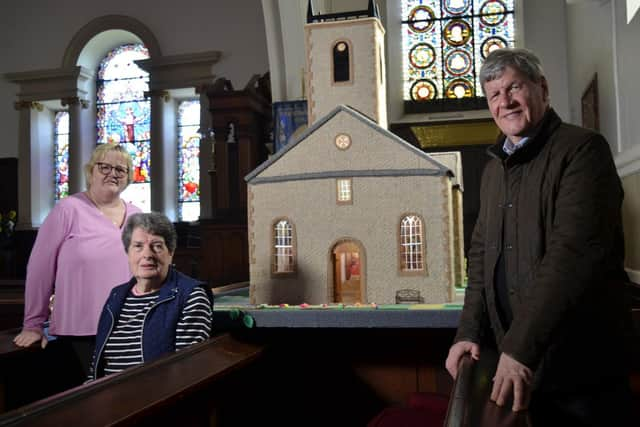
48	84
178	71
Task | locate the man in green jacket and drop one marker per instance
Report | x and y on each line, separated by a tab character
546	276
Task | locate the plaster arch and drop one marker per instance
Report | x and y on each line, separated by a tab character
105	33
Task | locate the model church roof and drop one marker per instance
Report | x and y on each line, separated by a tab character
437	169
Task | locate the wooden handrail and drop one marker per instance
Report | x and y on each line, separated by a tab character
8	348
470	400
139	391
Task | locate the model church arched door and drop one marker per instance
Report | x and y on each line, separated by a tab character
348	274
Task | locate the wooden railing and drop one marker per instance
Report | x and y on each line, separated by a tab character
148	393
470	400
8	348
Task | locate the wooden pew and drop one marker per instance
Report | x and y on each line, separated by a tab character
470	400
180	388
9	352
11	303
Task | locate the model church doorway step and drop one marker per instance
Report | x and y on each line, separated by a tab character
347	273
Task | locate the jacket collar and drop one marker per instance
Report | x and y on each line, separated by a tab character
168	288
539	137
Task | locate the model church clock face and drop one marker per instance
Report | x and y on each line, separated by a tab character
343	141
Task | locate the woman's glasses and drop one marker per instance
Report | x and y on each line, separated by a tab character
106	168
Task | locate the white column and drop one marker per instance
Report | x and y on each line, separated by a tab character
275	50
164	174
80	147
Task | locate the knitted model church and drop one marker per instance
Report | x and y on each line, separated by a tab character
348	212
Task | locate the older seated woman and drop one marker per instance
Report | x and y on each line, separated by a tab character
157	312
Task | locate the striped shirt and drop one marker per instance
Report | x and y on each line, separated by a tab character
124	346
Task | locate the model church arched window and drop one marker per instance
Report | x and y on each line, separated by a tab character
283	250
341	62
123	114
411	244
188	160
61	154
444	45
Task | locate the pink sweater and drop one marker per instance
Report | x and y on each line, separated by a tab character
78	255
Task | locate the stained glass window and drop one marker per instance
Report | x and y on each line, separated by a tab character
411	247
61	154
444	45
188	160
124	114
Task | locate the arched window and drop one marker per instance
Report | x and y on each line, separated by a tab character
444	45
124	114
283	248
61	154
411	244
188	160
341	62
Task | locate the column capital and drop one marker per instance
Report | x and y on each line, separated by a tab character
158	93
25	105
74	100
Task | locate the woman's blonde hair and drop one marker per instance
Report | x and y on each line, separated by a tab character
100	152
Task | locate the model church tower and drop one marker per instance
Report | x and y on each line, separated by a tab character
345	63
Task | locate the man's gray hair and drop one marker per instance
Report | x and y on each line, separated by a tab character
153	223
522	60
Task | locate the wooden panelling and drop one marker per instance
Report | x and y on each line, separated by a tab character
11	303
224	254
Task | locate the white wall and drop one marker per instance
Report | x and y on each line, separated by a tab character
36	33
545	33
590	54
627	37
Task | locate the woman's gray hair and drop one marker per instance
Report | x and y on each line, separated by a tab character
522	60
153	223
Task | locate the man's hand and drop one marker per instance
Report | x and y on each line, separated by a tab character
457	351
512	377
27	337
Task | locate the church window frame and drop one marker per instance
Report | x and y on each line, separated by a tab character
188	154
344	191
123	114
412	245
283	247
61	154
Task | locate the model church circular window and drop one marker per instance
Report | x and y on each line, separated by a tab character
343	141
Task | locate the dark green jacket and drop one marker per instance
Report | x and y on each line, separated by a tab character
558	202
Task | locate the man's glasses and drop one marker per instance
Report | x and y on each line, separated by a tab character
106	168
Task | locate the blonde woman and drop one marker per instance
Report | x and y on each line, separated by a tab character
79	256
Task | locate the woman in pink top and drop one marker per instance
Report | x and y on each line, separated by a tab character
78	254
